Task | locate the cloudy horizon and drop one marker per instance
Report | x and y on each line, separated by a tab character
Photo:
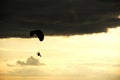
81	40
53	17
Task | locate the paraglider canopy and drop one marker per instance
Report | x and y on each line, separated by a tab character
38	33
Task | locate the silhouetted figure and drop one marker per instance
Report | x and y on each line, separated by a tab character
39	54
40	36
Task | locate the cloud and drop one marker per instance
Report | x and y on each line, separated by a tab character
27	72
110	1
30	61
53	17
10	65
102	64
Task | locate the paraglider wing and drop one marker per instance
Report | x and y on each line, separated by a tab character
38	33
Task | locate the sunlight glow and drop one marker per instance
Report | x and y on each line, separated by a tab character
119	16
65	58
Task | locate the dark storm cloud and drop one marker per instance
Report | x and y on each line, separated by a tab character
110	0
57	17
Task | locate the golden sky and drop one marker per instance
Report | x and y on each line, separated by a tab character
78	57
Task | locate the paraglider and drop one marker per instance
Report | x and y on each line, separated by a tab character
40	36
38	33
39	54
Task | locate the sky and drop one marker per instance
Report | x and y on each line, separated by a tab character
81	40
86	57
